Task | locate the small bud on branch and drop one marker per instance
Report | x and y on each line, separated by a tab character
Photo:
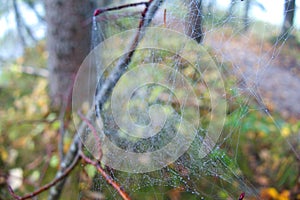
242	196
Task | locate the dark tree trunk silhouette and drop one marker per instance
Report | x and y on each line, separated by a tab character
289	14
68	42
194	21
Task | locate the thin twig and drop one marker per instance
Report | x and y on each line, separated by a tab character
102	10
36	162
19	23
61	119
165	18
107	177
35	71
94	131
110	17
61	132
47	186
29	31
55	191
37	14
15	196
46	164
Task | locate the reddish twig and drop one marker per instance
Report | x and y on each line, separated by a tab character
46	164
47	186
102	10
12	193
111	17
84	176
94	131
165	18
107	177
35	163
142	21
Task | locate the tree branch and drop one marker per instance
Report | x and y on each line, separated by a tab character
29	32
104	90
35	71
61	119
107	177
47	186
64	107
94	131
19	23
37	14
55	191
102	10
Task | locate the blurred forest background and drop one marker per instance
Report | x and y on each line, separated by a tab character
43	44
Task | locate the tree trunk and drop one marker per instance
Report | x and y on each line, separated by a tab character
68	42
194	21
289	13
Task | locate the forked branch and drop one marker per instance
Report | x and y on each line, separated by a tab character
47	186
97	165
107	177
103	90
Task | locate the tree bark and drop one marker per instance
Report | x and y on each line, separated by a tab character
68	42
194	21
289	14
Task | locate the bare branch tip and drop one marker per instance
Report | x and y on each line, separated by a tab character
97	12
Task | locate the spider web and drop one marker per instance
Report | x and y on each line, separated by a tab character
218	175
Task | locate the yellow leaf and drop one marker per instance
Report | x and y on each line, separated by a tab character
261	134
284	195
4	154
285	131
269	193
273	192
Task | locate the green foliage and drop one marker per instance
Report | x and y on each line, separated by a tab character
257	144
263	151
